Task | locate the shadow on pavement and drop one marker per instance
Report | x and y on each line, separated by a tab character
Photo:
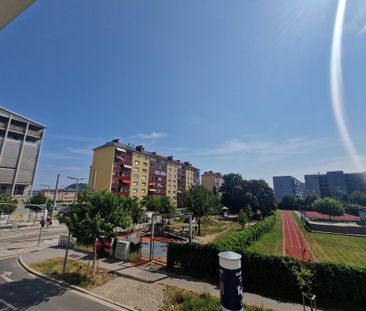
26	293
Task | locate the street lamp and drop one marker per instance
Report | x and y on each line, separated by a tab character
77	181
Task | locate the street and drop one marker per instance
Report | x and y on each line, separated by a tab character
15	242
22	291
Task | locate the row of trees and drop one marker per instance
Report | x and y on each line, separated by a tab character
238	193
330	206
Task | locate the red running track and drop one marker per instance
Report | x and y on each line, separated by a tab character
294	242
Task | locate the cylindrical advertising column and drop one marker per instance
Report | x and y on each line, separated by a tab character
231	286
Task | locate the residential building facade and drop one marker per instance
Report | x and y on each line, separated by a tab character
131	171
63	195
288	185
20	145
212	181
335	183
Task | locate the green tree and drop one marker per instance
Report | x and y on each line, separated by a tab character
200	202
328	206
8	204
232	191
161	205
95	215
309	200
288	202
354	209
134	208
36	204
242	218
357	197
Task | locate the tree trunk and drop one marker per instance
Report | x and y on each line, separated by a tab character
199	225
94	258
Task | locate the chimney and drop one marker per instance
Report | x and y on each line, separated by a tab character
140	148
170	158
116	140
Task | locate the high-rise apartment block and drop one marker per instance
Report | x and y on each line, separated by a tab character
212	181
20	145
335	184
131	171
288	185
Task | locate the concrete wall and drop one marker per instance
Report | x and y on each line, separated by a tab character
353	230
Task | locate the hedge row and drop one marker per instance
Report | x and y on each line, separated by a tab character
335	285
241	240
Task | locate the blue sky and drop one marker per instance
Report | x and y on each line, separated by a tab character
239	86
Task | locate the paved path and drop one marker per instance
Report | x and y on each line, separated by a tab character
21	291
294	242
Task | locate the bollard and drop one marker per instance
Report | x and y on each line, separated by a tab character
231	286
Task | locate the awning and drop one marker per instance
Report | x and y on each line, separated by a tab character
152	184
126	181
127	166
152	190
119	157
120	149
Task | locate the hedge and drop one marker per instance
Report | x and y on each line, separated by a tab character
240	240
335	285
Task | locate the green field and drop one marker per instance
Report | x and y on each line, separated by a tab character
272	242
336	248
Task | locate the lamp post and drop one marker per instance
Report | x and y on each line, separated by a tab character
77	183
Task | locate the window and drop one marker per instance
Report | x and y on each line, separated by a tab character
145	164
134	190
143	183
170	175
137	162
144	170
135	183
136	176
146	157
136	169
143	190
143	177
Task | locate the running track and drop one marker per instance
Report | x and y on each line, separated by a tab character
294	243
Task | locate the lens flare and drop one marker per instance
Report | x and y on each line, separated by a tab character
336	85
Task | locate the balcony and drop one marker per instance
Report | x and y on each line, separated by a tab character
17	129
34	133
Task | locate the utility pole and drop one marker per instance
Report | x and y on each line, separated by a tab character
44	221
55	197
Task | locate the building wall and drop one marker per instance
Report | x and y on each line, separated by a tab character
20	144
103	162
172	182
62	196
139	175
190	180
208	181
288	185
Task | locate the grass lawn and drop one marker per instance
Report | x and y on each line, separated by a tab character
177	299
272	242
75	274
210	227
336	248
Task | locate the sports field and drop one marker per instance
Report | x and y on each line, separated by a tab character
271	243
335	248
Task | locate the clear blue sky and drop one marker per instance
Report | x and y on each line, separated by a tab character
238	86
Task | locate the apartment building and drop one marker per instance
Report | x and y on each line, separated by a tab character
288	185
131	171
63	195
335	183
212	181
20	145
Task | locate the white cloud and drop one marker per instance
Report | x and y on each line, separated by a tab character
81	151
151	136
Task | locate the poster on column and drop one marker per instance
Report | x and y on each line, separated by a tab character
231	290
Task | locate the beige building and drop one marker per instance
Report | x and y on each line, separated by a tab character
63	195
212	181
131	171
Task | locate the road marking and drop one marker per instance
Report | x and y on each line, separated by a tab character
6	275
8	304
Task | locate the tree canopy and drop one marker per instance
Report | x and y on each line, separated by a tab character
328	206
288	203
8	203
200	202
161	205
358	197
39	199
237	193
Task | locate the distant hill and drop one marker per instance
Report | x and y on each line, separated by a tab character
82	186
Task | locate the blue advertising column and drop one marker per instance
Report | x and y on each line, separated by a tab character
231	286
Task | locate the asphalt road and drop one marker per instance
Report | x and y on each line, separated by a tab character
14	242
22	291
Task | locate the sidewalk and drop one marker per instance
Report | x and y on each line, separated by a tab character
147	279
29	224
